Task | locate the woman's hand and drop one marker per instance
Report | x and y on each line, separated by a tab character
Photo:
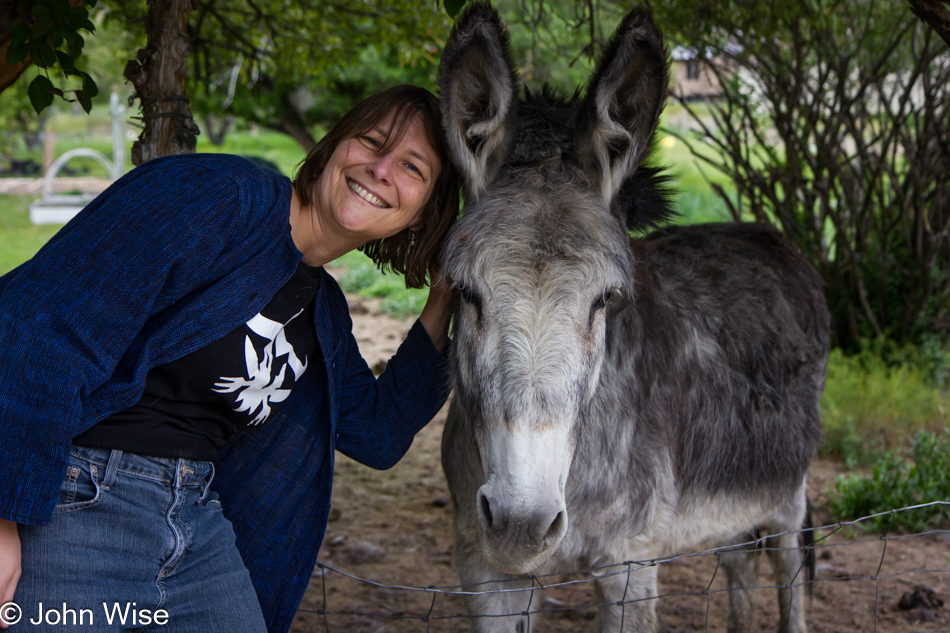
9	562
437	313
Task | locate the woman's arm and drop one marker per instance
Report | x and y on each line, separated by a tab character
437	313
379	417
9	562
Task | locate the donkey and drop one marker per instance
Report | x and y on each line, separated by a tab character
616	399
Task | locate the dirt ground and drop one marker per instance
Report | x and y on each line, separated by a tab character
394	529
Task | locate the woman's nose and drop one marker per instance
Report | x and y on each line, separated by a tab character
382	167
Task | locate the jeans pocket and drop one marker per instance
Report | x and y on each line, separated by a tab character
80	488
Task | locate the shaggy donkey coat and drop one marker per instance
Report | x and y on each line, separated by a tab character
616	399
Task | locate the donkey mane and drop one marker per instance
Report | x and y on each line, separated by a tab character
544	136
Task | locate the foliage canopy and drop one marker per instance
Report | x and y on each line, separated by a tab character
833	125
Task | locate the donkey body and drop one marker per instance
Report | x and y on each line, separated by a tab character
616	399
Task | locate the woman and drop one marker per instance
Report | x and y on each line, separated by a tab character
183	319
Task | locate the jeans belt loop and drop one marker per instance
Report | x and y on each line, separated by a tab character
111	468
207	484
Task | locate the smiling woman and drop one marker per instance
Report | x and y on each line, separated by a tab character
389	149
182	329
370	190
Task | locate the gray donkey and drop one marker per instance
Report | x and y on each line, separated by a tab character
616	399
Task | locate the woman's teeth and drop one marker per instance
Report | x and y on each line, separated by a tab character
365	195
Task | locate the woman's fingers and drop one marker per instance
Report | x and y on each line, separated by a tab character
9	565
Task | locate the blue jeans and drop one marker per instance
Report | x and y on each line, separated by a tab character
136	544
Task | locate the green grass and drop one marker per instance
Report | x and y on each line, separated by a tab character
696	201
278	148
19	240
363	279
870	405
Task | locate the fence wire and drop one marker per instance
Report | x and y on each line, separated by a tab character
821	542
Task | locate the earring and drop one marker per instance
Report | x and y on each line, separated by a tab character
412	238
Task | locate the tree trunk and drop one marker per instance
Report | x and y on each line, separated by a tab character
291	123
10	72
295	129
8	16
158	75
934	15
217	130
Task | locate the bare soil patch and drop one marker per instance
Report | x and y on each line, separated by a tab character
394	528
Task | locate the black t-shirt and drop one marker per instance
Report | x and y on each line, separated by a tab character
192	405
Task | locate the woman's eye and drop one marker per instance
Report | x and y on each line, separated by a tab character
413	168
369	140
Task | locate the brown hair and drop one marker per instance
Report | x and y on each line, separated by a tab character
440	210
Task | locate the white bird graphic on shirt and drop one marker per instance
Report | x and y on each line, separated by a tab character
261	387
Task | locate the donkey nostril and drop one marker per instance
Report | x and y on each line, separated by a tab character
486	509
549	533
558	526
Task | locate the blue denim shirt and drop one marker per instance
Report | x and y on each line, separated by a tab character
172	256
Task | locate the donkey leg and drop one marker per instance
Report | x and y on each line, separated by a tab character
788	561
787	557
630	601
493	596
740	567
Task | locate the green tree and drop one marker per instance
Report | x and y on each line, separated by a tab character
294	103
833	125
290	67
285	53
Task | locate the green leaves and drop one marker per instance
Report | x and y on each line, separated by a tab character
41	93
19	37
52	25
65	61
899	479
43	54
88	85
84	100
452	7
42	22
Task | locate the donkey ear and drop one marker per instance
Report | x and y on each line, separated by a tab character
622	107
477	82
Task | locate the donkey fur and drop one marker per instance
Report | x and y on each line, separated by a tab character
616	399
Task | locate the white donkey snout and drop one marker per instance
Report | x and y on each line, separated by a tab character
541	523
521	508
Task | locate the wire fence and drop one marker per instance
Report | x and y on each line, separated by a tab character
427	606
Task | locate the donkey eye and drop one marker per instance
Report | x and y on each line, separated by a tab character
602	300
471	297
468	295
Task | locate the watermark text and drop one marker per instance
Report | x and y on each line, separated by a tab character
124	613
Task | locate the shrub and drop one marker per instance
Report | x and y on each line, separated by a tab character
899	480
831	124
875	398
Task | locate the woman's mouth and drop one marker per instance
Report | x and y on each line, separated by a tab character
365	195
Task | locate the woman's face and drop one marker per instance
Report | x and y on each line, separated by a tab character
370	194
